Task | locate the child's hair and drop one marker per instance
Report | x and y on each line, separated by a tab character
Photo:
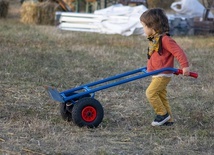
156	19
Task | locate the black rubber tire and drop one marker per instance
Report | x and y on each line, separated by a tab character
65	114
87	112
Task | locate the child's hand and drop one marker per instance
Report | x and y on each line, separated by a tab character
186	71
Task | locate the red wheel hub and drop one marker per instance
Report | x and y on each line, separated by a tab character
89	114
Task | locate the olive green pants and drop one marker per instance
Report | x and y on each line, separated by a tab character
156	93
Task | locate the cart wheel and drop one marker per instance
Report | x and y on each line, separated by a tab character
87	112
66	115
66	111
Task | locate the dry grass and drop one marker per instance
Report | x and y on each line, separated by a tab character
33	56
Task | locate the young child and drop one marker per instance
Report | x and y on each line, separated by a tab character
161	52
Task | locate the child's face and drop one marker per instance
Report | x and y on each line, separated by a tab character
148	31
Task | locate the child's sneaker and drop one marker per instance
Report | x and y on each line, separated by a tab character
160	120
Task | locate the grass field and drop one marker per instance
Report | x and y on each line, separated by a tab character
30	123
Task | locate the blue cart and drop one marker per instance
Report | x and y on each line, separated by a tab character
79	105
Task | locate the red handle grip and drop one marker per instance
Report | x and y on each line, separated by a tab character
192	74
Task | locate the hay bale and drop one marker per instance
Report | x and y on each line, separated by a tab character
29	12
42	13
46	12
4	6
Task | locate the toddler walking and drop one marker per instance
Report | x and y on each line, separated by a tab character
161	53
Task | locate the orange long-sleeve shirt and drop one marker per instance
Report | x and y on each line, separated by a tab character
170	50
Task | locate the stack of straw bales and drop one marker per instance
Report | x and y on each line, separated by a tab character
4	6
42	13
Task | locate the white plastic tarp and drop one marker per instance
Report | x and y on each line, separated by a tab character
124	26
